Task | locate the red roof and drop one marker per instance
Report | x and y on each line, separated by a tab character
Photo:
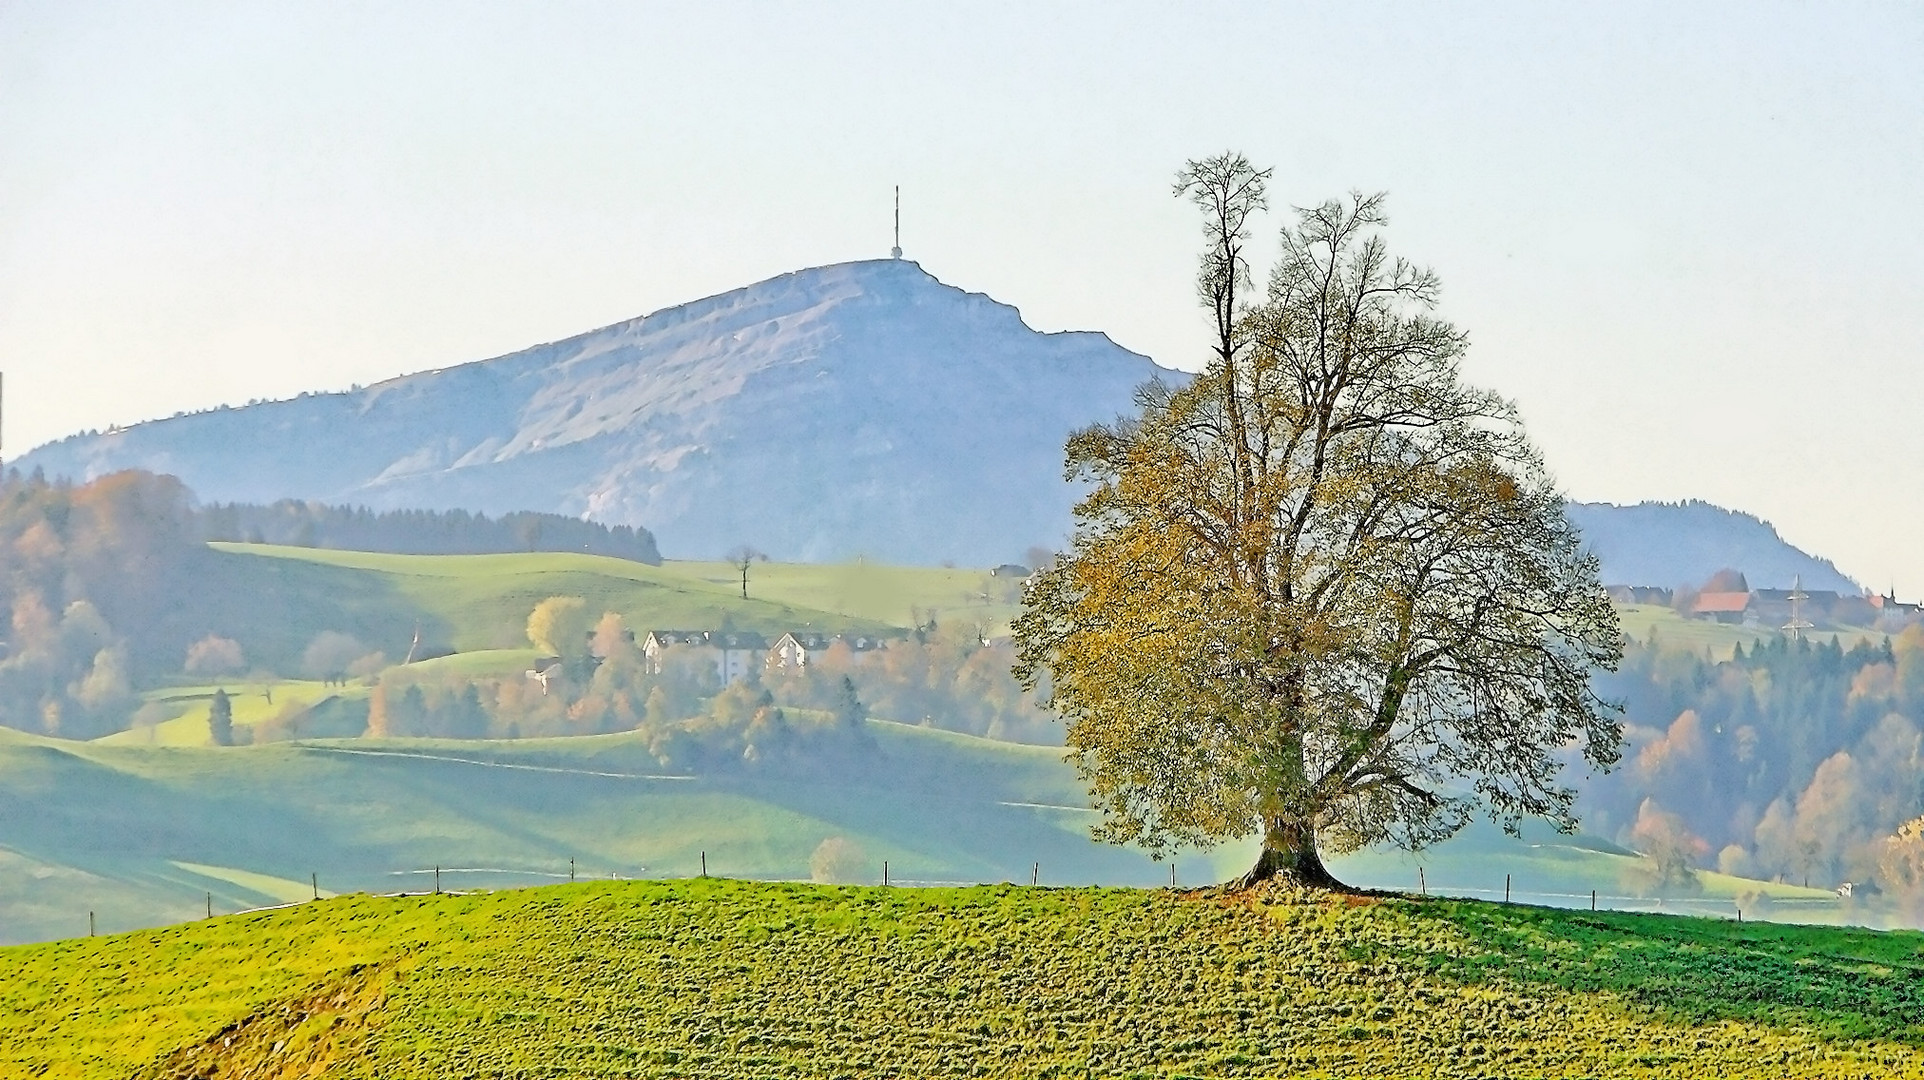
1720	603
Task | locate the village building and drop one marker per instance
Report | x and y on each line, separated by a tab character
1723	607
1639	594
733	653
795	650
1892	613
1772	607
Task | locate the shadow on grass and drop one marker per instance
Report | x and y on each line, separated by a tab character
1842	983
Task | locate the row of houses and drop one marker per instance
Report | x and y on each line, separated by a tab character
735	653
1773	607
1778	607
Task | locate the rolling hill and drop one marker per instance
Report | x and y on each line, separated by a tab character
857	409
1671	544
728	979
147	835
275	599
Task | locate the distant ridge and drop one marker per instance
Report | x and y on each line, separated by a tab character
863	408
1671	544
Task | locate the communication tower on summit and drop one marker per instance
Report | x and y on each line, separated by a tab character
1797	624
896	251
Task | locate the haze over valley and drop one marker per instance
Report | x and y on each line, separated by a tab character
866	542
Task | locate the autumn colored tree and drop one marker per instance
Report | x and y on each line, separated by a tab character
1324	593
561	626
1900	866
215	655
838	861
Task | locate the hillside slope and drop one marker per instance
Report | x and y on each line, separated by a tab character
147	835
1671	544
723	979
862	408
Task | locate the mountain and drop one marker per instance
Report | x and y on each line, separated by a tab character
863	408
1671	544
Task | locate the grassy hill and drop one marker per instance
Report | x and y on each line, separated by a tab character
897	595
475	602
142	835
1642	621
729	979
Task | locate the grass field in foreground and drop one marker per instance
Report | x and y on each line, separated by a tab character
729	979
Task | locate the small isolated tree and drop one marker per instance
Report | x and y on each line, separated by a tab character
838	861
741	558
220	719
1669	850
1325	592
331	654
215	655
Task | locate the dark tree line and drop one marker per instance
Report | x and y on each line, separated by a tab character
419	532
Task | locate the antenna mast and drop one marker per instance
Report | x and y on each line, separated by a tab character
896	251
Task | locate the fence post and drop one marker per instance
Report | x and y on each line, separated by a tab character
210	905
437	881
704	864
1172	873
1035	874
90	924
314	879
1422	887
885	873
1593	899
1506	888
571	869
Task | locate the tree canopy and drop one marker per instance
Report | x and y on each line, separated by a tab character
1325	591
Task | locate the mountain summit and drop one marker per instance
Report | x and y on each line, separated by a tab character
860	408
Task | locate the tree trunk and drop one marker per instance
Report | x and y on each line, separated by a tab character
1289	853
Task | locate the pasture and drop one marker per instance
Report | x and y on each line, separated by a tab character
727	979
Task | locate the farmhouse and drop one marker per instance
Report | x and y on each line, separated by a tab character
1723	607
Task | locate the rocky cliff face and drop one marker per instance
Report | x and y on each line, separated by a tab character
864	408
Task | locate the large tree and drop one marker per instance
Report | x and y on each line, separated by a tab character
1324	592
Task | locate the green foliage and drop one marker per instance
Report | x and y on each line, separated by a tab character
724	979
220	719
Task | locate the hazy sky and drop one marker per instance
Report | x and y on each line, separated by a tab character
1688	240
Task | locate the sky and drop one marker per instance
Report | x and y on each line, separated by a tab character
1687	240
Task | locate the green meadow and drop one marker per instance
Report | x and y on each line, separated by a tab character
725	979
481	602
1646	622
145	835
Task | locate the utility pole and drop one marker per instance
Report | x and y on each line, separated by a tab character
1798	624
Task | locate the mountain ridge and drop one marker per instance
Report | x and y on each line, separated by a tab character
861	408
1672	544
856	409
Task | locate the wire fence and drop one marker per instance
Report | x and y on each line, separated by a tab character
462	880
